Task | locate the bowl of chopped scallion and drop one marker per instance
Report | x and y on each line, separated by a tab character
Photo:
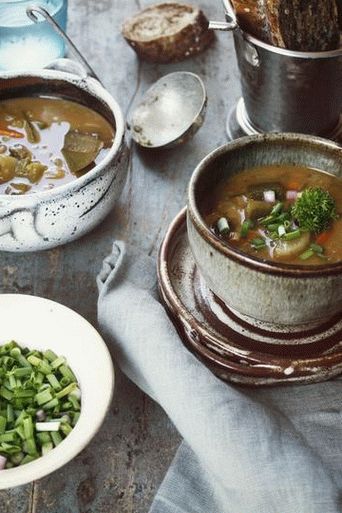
56	384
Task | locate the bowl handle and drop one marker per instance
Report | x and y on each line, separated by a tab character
68	66
81	66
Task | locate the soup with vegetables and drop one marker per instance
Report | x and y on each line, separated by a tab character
47	142
281	213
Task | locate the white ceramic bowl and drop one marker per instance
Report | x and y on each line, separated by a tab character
46	219
43	324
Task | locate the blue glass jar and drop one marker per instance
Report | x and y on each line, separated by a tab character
25	44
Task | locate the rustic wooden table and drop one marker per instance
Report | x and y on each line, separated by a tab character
120	471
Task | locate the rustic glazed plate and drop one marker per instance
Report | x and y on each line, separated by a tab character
233	349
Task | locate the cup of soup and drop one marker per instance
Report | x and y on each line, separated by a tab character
265	228
63	157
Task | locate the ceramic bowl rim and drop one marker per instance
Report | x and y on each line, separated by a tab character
95	89
268	267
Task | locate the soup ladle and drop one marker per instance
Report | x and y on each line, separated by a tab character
170	112
34	12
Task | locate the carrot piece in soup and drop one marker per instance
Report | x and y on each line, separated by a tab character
10	133
294	186
323	237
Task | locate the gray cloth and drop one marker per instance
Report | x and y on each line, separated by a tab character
245	450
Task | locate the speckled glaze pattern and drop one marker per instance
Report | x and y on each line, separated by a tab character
51	218
232	347
273	293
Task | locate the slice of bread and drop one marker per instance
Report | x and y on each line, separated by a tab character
310	26
251	17
302	25
168	32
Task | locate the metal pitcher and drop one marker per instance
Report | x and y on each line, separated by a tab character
285	90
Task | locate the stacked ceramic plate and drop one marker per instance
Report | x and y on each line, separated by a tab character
235	350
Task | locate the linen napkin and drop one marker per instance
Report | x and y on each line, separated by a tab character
245	450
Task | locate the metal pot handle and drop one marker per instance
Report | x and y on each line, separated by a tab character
230	23
82	67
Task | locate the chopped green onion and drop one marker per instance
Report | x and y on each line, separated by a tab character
223	226
76	417
317	248
307	254
43	397
50	355
51	404
292	235
258	243
58	362
3	422
9	413
277	208
51	425
28	427
67	372
6	394
44	437
47	447
273	227
34	388
56	438
66	391
54	382
281	230
27	459
246	225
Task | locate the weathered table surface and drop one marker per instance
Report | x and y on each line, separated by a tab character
120	471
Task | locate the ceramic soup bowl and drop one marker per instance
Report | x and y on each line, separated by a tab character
53	217
263	292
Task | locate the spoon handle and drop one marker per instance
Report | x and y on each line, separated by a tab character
230	13
32	11
230	23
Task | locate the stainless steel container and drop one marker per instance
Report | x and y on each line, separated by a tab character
285	90
289	91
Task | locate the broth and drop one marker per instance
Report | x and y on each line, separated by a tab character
255	211
48	142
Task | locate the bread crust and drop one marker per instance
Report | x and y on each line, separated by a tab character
250	17
308	26
185	32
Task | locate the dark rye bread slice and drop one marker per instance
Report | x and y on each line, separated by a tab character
168	32
302	25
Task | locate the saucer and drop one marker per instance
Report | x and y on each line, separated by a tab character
232	348
238	124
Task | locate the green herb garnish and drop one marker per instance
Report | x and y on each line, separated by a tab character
314	210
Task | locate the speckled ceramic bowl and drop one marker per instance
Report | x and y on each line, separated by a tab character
47	219
260	292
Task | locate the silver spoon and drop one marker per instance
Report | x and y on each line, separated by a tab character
171	111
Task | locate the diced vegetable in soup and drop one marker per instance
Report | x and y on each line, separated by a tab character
47	142
281	213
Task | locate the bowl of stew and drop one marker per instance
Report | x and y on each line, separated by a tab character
63	158
265	228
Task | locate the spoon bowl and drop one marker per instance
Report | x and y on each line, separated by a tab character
170	112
